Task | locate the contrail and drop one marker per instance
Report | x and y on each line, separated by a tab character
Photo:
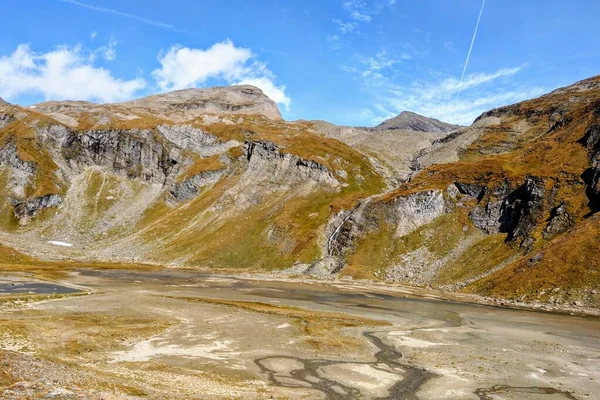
471	48
127	15
152	22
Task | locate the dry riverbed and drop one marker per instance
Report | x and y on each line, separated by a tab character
181	334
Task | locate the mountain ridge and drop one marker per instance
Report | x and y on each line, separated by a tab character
176	106
485	209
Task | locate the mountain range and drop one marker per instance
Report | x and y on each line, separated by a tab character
506	207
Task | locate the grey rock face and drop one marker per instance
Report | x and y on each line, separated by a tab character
25	210
471	190
267	160
9	157
410	121
131	153
407	213
512	211
592	176
196	140
5	119
21	171
346	228
418	209
560	221
190	188
21	175
524	208
135	153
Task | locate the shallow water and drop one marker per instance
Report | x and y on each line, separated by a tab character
35	288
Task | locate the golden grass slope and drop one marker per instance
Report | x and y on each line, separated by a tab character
540	138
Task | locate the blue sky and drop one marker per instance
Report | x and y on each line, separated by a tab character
353	62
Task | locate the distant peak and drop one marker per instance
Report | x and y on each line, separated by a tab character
408	120
3	103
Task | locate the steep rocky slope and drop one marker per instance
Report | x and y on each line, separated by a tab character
506	207
233	186
502	208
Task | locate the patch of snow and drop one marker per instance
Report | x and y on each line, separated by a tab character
59	243
286	325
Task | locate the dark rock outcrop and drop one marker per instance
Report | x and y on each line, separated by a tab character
26	209
191	187
508	210
592	175
559	221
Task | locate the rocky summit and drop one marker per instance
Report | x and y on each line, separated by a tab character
414	122
505	208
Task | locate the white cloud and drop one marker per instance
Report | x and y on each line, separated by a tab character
374	70
442	100
93	35
345	27
359	16
379	61
108	52
358	12
183	67
275	93
476	79
63	73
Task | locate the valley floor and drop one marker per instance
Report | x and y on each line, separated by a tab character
120	334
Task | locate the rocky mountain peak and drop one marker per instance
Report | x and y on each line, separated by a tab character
408	120
3	103
238	99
